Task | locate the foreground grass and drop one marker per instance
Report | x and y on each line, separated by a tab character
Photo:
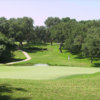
49	83
84	87
47	54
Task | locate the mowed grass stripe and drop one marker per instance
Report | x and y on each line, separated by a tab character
43	73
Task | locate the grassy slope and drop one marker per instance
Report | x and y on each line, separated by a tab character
85	87
18	55
53	57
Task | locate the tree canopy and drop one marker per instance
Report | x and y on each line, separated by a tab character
6	47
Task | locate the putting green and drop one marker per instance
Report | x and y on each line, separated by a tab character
42	73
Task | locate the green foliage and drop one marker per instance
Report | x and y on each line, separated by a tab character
51	21
72	39
21	29
58	32
4	25
41	36
83	37
91	46
6	46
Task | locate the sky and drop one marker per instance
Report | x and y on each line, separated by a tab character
40	10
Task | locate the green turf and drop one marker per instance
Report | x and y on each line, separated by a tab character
84	87
18	55
53	57
43	73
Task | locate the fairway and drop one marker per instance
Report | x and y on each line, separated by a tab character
52	57
43	73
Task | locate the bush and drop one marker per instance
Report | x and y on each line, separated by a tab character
6	48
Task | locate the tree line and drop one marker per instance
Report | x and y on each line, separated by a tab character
80	37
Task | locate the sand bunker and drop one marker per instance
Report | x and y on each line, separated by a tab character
43	65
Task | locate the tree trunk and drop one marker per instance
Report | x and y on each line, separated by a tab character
91	60
60	47
51	42
28	41
21	44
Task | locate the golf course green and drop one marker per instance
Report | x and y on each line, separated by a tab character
43	73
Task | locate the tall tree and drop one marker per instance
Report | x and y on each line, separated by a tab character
91	46
28	28
50	22
41	35
59	33
21	29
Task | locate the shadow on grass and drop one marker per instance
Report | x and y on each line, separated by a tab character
35	44
34	49
80	57
6	90
12	60
77	55
96	65
97	59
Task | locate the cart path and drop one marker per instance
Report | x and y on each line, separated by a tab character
26	55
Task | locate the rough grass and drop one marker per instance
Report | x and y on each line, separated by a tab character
82	87
48	54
